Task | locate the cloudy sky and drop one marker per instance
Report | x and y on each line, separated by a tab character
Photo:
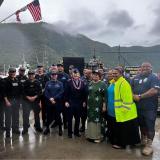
114	22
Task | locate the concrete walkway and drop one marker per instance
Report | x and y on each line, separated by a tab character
38	146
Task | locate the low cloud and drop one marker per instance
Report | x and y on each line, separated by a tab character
79	21
120	19
155	30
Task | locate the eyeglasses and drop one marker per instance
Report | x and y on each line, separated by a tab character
114	73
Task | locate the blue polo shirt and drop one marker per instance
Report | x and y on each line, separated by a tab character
54	89
110	106
141	84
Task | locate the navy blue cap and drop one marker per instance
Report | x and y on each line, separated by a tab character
22	69
31	72
75	70
97	72
71	67
54	73
39	65
12	69
54	64
59	64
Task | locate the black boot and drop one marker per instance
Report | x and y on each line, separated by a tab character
65	125
60	130
24	131
77	134
7	134
54	125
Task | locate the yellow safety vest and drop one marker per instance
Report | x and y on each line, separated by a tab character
125	108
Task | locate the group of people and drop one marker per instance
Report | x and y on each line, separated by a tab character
121	109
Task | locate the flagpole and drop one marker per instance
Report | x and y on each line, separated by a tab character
8	17
11	15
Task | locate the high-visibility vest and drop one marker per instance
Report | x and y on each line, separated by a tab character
125	108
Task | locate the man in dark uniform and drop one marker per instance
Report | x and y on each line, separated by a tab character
42	78
145	89
11	97
21	78
54	95
1	104
63	77
75	98
32	93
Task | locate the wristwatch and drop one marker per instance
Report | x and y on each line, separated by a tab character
139	96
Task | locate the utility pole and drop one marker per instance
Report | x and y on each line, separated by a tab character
119	55
94	53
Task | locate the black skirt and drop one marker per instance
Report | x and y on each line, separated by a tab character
123	133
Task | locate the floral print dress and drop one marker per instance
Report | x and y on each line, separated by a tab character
95	122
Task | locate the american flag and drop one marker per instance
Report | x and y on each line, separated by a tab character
18	12
34	8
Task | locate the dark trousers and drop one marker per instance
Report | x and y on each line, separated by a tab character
27	107
54	112
12	116
123	133
112	130
83	116
146	119
43	105
73	111
1	115
64	114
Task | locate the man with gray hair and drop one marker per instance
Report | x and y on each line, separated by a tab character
145	89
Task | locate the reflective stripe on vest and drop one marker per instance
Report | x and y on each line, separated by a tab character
123	107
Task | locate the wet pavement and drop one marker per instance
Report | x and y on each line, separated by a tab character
37	146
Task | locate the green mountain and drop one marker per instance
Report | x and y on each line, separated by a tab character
36	40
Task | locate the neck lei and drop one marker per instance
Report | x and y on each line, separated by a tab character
76	83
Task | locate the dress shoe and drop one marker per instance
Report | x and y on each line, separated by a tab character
2	128
60	131
77	134
116	146
16	131
65	126
24	131
7	134
69	135
39	129
82	129
54	125
46	131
